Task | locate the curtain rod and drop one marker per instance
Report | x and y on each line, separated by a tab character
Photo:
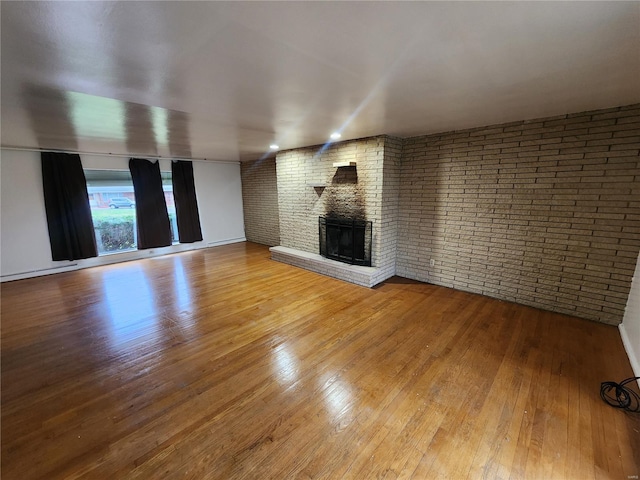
123	155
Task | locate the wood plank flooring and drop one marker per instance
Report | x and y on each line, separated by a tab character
223	364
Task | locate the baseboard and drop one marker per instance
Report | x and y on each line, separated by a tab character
39	272
117	258
631	353
226	242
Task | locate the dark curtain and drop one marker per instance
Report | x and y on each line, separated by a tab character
66	203
154	229
184	195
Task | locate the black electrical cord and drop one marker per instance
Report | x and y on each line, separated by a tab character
624	397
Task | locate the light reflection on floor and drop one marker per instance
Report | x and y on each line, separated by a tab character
135	310
130	303
183	302
338	397
285	365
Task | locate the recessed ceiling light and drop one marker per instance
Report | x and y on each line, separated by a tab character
335	135
273	146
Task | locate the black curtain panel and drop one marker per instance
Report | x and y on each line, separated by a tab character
154	229
67	207
184	195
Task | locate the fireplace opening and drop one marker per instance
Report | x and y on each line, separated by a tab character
345	240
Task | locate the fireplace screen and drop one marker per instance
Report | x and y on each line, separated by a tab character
346	240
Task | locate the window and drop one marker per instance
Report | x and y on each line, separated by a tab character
112	202
167	187
112	209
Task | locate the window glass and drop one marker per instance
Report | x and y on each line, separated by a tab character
113	209
167	187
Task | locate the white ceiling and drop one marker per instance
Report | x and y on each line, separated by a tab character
223	81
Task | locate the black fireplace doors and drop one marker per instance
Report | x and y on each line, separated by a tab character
345	240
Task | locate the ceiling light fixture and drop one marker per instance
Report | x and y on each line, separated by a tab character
273	146
335	135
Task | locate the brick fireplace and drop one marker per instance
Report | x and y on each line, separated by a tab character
357	179
540	212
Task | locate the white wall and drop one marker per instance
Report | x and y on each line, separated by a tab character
24	238
630	326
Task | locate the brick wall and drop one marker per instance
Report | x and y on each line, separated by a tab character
390	207
260	199
310	186
543	212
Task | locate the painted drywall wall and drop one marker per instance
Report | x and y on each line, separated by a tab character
24	238
630	326
219	190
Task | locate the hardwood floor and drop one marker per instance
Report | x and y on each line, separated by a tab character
221	363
